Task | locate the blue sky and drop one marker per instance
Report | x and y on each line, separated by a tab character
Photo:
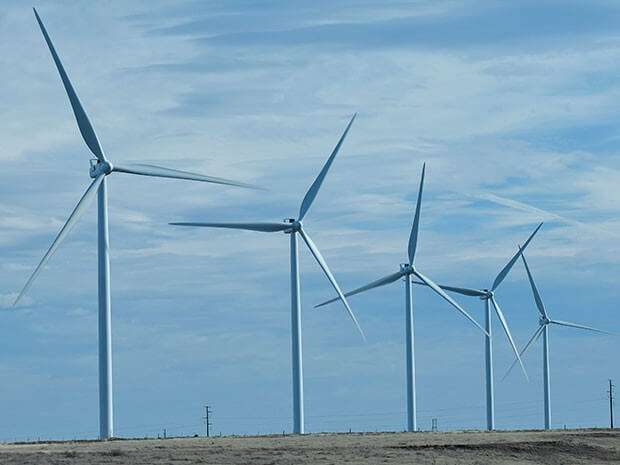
513	109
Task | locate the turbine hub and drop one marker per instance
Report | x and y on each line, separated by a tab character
543	321
406	267
489	294
99	167
295	225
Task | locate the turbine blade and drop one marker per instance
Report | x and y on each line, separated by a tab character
413	237
160	172
323	264
458	290
379	282
86	129
532	340
79	209
539	302
262	227
576	325
439	291
502	274
502	319
316	185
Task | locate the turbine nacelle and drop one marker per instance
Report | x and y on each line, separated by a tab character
489	294
97	168
543	320
295	225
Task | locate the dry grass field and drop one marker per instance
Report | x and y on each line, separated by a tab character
467	447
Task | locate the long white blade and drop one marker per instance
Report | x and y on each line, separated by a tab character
413	237
379	282
86	129
502	319
576	325
316	185
502	274
532	340
323	264
160	172
539	302
439	291
79	209
458	290
262	227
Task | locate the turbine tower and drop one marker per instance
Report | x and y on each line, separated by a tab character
406	271
544	321
293	227
488	296
100	168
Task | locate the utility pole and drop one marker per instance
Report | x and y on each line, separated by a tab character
206	418
611	404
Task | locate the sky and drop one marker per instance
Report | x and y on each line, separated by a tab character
512	107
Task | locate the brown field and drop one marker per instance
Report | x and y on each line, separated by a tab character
439	448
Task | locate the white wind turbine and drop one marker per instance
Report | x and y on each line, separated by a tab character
544	321
488	295
99	169
406	271
293	227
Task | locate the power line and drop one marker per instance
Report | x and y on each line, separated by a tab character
450	418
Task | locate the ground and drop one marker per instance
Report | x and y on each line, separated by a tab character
584	447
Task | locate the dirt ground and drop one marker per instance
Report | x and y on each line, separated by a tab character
582	447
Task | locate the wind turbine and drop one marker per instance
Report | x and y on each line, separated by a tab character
488	295
293	227
544	321
406	271
100	167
